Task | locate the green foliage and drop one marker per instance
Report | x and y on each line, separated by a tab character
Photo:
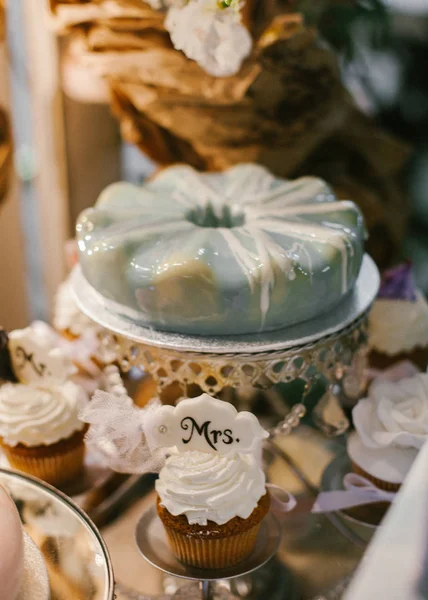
341	22
229	3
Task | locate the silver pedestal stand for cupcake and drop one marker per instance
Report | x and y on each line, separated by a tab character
331	347
153	545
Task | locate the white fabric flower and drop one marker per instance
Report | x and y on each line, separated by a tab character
395	414
211	36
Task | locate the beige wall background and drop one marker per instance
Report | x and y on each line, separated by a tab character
77	150
13	293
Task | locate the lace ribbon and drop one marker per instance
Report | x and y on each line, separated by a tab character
117	436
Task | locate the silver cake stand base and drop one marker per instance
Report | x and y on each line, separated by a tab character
207	583
332	347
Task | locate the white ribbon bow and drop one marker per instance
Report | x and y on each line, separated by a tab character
358	491
281	500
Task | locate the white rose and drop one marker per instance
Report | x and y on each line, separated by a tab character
212	37
395	414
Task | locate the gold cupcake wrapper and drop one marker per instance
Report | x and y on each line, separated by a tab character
212	553
382	485
56	469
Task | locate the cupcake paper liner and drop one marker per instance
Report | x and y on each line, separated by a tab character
215	553
213	546
418	356
380	483
56	464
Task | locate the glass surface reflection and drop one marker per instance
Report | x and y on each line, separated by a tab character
76	557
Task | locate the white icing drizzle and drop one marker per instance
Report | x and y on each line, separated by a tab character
268	208
315	233
258	267
305	209
241	255
199	192
306	189
268	250
298	248
243	189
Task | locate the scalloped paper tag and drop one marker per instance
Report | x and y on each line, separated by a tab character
204	424
35	356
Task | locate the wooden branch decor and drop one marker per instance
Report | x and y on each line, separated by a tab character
285	108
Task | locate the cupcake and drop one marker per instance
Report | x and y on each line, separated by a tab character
36	356
211	490
398	325
212	506
68	320
72	324
391	426
40	432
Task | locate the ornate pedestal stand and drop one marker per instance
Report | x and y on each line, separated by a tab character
332	347
153	545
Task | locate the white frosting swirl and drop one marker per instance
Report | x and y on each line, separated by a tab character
67	315
399	325
211	487
36	416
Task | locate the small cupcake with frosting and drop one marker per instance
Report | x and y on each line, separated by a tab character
398	325
40	432
68	319
72	324
391	426
212	506
211	491
212	494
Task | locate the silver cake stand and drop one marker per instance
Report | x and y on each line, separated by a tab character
332	347
153	545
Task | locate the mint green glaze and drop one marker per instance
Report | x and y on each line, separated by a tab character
229	253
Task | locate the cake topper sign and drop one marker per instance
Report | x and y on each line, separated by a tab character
129	439
204	424
36	357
